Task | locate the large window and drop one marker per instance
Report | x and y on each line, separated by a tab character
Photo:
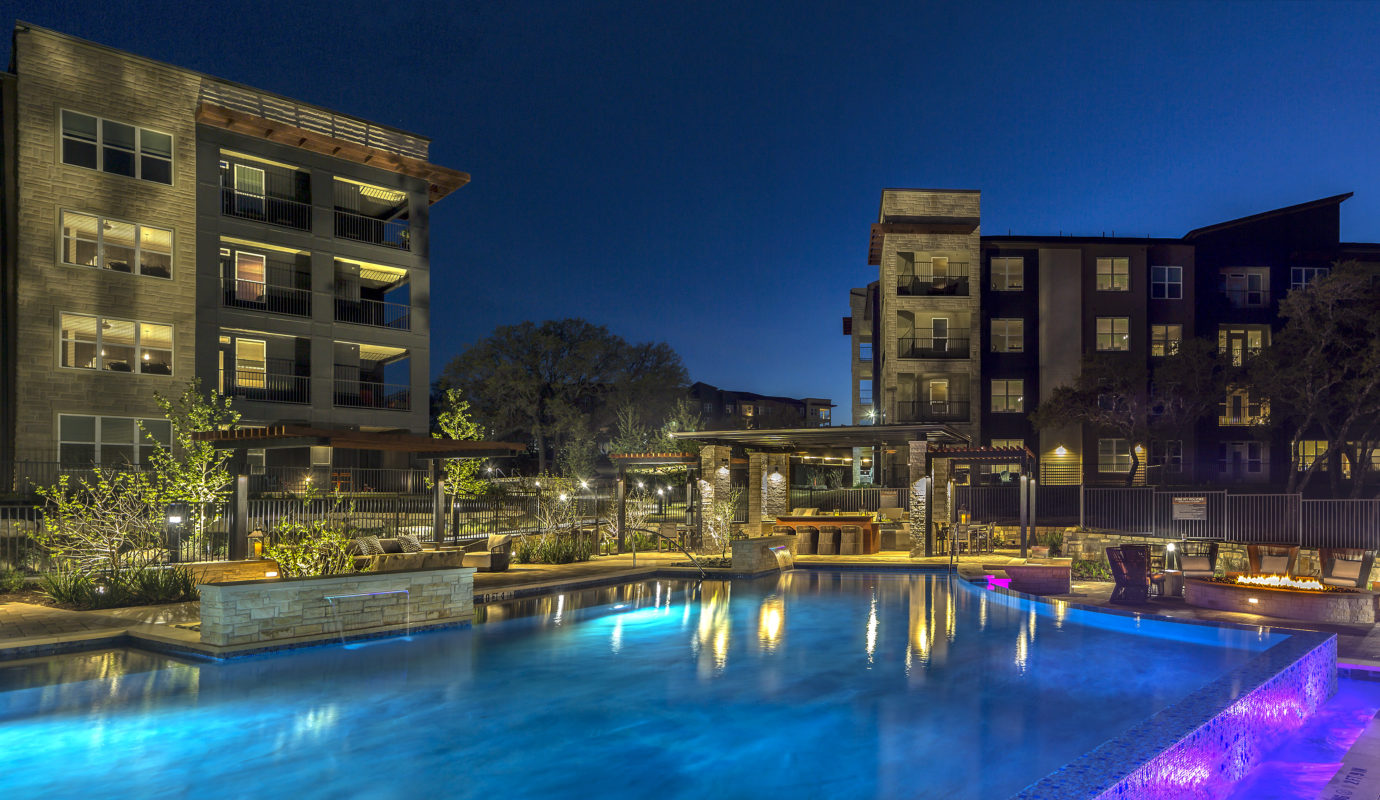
1309	451
1008	336
1008	396
1166	283
1165	339
1008	274
1168	455
1247	287
864	391
1242	459
89	240
1240	408
1113	333
1114	274
85	440
1300	277
1113	455
116	345
864	351
116	148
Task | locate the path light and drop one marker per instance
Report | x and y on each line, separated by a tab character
562	498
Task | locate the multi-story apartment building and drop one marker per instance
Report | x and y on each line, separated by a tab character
973	331
160	225
731	409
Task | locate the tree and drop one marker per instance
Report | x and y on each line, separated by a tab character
454	422
553	381
192	471
1118	394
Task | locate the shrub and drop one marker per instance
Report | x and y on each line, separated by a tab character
143	586
309	549
1091	569
1054	540
11	580
553	548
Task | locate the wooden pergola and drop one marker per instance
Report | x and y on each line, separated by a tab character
278	437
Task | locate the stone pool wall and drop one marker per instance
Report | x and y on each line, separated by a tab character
1231	556
755	554
249	612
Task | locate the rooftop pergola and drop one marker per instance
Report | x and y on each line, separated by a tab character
277	437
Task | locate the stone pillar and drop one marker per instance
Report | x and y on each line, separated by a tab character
920	498
757	471
769	483
714	480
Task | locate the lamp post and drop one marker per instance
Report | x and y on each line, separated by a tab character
176	518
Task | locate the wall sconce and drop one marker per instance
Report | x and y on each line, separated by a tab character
964	515
1061	451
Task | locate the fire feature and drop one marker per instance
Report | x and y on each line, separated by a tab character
1282	596
1283	582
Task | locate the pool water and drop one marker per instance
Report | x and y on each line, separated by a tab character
808	684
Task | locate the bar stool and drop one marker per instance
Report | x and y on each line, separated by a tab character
828	544
850	540
806	539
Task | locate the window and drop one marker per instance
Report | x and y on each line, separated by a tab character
1167	454
1008	336
251	275
1114	274
1008	274
1113	333
1309	451
1008	396
85	440
1246	287
939	330
116	345
864	351
708	407
93	241
1300	277
1004	472
1113	455
1242	343
865	391
1165	339
115	147
1166	283
1241	459
748	410
1240	409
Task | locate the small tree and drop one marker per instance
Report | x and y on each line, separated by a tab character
637	507
103	527
718	519
463	475
191	471
630	435
683	418
577	457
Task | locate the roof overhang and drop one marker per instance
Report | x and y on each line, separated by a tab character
848	436
915	225
280	436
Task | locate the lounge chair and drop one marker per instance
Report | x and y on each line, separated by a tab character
491	554
828	540
1198	559
1343	566
1131	571
806	540
1272	559
850	540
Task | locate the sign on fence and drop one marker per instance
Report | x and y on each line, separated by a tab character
1188	508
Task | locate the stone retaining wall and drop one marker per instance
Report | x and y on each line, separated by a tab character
249	612
755	554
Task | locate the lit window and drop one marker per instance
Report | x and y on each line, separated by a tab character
1113	455
1006	472
1246	287
1113	333
1008	274
1300	277
1241	409
1008	336
1167	454
116	345
1114	274
1309	451
1165	339
116	148
1242	343
1008	396
1166	283
87	440
89	240
748	410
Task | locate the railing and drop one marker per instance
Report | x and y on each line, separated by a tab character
272	297
930	347
1242	354
867	499
269	387
374	312
1340	523
310	118
19	549
367	394
1054	505
930	411
274	210
955	282
385	233
368	480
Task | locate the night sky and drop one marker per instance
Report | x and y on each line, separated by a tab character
705	174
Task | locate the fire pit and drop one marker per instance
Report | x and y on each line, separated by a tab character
1282	596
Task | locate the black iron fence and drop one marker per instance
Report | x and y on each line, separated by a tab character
860	500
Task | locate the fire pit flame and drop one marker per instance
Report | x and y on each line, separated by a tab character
1282	582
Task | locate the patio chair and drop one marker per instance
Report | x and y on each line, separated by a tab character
828	544
1198	559
1131	571
806	540
850	540
1345	566
1272	559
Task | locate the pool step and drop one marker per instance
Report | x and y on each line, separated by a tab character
1359	776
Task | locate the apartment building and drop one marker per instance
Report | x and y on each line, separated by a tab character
973	331
724	408
161	224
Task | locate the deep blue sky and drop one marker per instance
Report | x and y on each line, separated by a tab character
705	175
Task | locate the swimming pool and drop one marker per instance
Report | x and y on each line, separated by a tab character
807	684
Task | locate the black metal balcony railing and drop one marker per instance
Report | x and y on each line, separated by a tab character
265	208
272	297
385	233
269	387
932	411
952	282
275	479
930	347
367	394
1240	355
374	312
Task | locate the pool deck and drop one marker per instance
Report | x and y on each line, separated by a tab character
29	629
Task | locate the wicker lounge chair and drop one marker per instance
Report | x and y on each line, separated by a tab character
806	540
1346	566
1198	559
1272	559
1131	571
828	544
850	540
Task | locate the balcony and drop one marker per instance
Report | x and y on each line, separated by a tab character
378	313
273	385
932	411
368	394
284	211
385	233
929	347
954	282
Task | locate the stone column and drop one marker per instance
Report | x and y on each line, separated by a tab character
919	516
714	480
776	489
757	471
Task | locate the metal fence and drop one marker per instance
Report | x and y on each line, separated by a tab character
871	499
1054	505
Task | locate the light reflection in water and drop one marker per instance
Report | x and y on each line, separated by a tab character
872	628
771	617
711	642
616	638
982	613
